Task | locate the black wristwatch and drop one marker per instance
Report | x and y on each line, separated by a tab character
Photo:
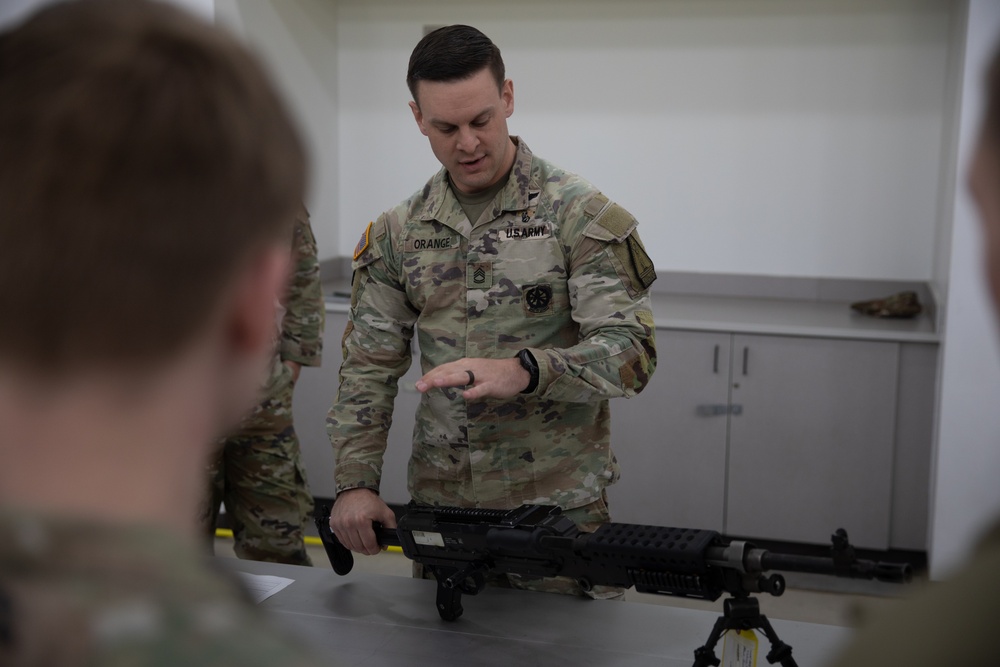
529	364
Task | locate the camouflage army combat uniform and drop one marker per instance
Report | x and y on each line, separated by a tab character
551	266
258	472
76	593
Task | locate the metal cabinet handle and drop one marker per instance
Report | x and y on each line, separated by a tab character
718	409
746	359
715	361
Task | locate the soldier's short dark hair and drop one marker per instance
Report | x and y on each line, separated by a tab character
453	53
144	158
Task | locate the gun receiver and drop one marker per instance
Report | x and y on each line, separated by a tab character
461	546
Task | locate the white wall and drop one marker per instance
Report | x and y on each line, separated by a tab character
203	8
297	41
15	11
748	136
965	493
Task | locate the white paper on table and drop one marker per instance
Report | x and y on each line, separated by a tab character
262	586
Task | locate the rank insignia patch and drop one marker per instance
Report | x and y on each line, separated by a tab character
479	275
538	298
363	243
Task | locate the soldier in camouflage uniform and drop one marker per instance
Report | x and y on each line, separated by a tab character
528	292
148	174
257	472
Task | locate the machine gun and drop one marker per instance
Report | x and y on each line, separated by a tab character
461	546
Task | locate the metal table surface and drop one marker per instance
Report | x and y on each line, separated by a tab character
370	619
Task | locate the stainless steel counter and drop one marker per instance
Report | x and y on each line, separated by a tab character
368	619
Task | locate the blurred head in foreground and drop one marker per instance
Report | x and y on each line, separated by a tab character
984	179
147	174
952	622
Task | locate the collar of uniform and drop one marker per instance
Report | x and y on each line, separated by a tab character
516	195
440	203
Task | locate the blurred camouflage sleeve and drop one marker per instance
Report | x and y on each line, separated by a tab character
610	275
376	349
302	325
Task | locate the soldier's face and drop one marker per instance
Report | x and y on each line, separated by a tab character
466	123
984	182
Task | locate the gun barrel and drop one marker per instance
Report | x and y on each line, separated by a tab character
857	569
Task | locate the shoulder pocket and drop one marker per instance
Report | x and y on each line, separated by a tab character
613	224
616	227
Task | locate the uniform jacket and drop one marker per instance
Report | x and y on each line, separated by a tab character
81	593
301	324
554	267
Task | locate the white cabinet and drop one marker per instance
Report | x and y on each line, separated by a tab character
670	440
778	437
812	448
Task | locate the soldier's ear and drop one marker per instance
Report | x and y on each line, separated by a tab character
251	314
507	97
419	117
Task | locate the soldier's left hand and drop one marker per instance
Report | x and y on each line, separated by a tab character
482	378
295	367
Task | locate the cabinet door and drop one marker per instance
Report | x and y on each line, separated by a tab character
811	449
670	440
315	393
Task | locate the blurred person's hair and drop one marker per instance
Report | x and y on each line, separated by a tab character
144	158
991	118
453	53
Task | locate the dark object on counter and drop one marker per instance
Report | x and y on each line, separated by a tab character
898	306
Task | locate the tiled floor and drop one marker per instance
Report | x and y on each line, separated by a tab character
801	601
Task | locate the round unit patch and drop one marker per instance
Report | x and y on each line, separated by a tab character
538	298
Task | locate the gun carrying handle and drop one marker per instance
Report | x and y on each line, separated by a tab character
387	537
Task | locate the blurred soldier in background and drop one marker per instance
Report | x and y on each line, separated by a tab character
257	472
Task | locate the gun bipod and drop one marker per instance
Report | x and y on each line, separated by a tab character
743	613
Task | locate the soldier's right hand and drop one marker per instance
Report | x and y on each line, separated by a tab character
351	519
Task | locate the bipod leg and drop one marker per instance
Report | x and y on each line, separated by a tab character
780	651
704	656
